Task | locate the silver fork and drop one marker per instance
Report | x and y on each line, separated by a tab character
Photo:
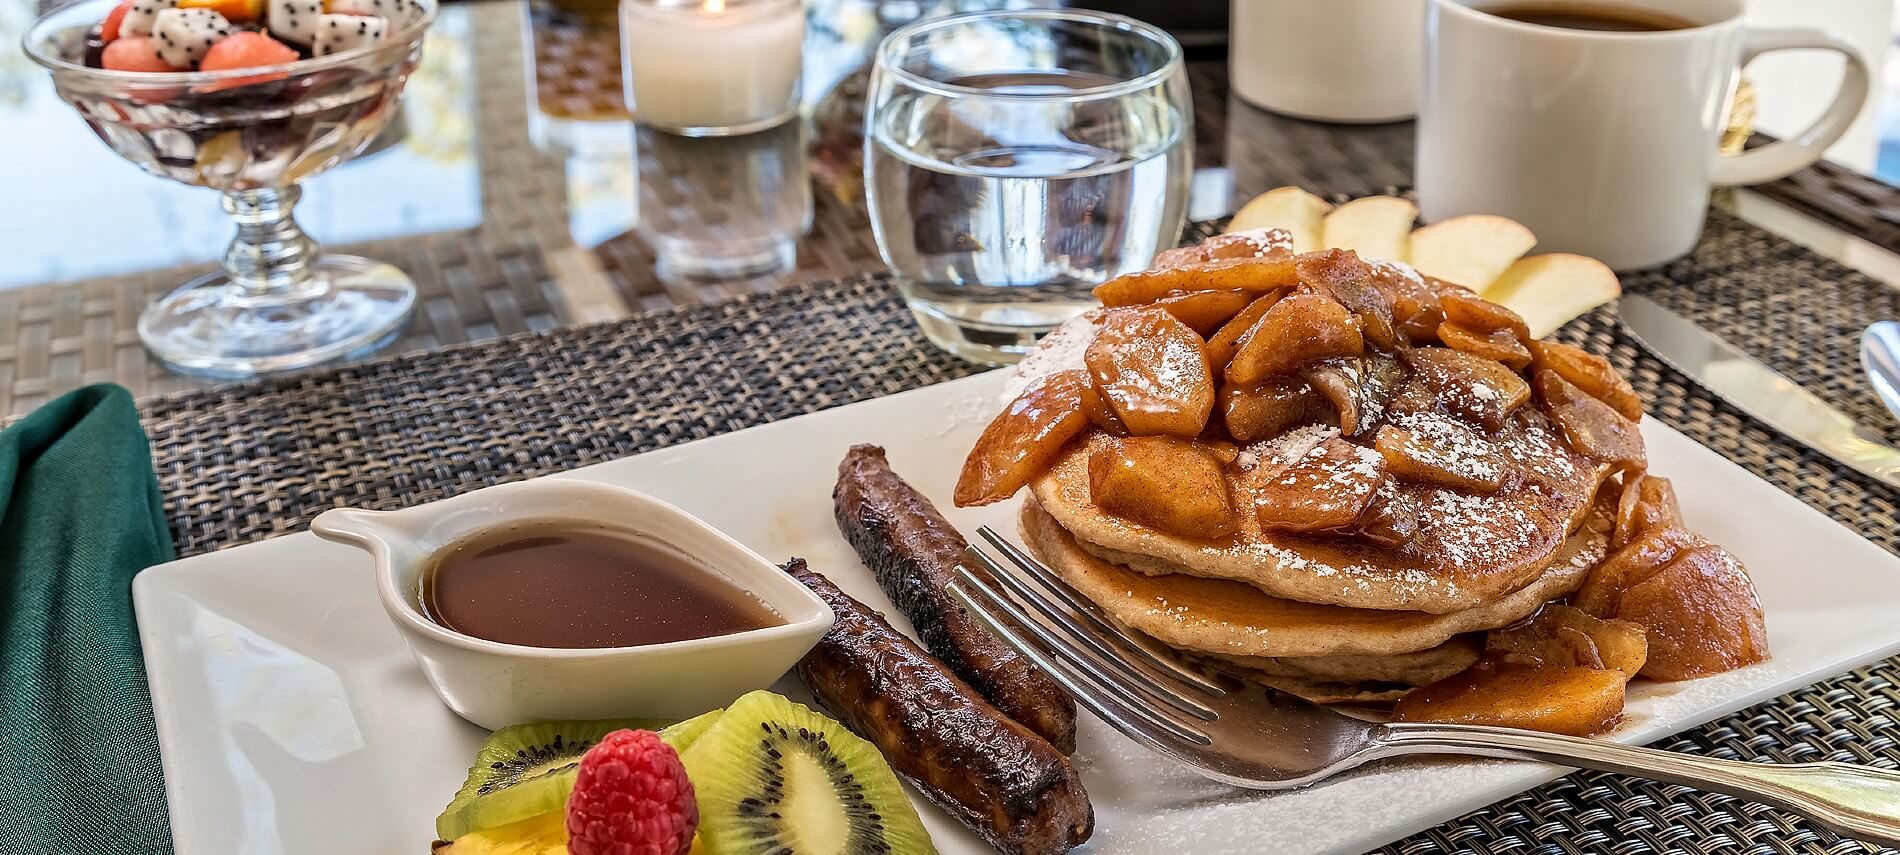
1255	737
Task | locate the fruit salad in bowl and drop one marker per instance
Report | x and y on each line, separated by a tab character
248	97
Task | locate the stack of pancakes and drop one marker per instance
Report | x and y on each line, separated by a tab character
1337	620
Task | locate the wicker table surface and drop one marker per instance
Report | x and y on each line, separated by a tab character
515	138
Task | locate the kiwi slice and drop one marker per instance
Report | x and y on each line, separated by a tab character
772	776
682	736
522	771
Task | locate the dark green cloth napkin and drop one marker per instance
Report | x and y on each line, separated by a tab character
80	513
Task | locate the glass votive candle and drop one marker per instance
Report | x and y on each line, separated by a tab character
725	212
712	67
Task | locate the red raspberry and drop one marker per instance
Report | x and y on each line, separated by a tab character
631	797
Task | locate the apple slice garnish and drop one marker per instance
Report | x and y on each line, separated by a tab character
1552	290
1374	227
1290	208
1472	250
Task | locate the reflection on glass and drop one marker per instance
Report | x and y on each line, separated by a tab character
720	209
576	105
1017	159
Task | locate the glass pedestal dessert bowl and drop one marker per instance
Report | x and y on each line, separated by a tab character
253	133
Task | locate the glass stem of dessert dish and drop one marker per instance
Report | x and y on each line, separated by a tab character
250	98
280	303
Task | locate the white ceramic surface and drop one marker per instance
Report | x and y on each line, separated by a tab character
292	720
1603	143
495	685
1334	61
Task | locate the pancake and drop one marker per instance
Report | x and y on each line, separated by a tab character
1225	617
1330	692
1470	550
1411	669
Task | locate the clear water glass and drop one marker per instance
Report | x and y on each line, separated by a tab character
1016	159
724	211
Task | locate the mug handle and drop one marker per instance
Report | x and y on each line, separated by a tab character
1785	157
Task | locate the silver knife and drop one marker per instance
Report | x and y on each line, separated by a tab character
1757	390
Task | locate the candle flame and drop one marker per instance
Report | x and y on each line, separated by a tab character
715	7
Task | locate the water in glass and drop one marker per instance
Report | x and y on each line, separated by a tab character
998	214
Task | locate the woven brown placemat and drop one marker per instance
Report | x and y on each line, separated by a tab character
247	462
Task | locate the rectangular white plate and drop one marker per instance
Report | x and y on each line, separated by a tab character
292	719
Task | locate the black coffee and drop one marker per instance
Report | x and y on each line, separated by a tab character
1600	17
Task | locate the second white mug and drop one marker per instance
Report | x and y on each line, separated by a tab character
1604	143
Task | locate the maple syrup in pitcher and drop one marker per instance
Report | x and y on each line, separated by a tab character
566	587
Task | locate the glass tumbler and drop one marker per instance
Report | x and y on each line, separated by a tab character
1016	159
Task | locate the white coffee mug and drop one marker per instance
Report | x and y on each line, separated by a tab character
1330	60
1603	143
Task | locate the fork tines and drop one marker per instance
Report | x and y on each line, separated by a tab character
1131	682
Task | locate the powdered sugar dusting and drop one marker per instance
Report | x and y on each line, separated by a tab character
1061	350
1448	445
1349	473
1398	268
1282	450
1265	242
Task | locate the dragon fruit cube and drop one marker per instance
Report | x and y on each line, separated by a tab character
399	13
139	17
338	33
183	35
293	21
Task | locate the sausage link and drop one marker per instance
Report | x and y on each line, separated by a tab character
992	773
914	552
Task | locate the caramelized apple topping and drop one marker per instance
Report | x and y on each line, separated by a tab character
1562	635
1357	387
1178	257
1025	438
1551	698
1472	387
1270	408
1482	316
1387	522
1299	329
1411	399
1102	415
1152	371
1252	243
1647	502
1589	372
1226	340
1223	451
1326	490
1701	613
1499	345
1340	274
1205	311
1442	453
1166	483
1415	309
1602	591
1589	425
1246	274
